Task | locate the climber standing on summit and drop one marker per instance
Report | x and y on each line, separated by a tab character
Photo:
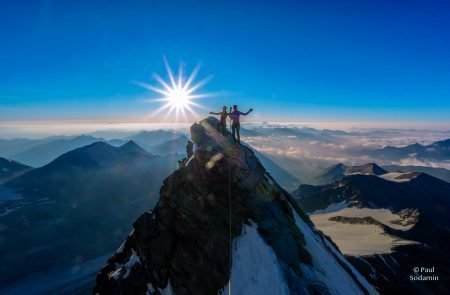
235	124
222	127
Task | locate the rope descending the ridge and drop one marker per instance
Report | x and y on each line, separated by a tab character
229	220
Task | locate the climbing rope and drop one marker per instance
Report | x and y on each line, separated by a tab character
229	227
229	220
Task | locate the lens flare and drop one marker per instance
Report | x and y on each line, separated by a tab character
178	94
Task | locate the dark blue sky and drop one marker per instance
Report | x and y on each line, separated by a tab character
293	60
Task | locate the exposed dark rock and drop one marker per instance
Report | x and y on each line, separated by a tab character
356	220
423	201
339	171
185	240
390	273
424	192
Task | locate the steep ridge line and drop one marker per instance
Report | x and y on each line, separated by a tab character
181	245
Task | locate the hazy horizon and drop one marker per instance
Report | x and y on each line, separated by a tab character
44	128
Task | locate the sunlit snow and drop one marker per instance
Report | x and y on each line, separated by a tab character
325	269
398	176
361	239
255	269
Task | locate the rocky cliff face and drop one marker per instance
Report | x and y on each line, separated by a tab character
222	222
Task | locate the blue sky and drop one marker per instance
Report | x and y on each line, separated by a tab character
289	60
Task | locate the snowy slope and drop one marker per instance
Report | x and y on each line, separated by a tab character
255	269
328	264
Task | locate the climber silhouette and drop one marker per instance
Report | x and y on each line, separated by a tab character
235	124
222	127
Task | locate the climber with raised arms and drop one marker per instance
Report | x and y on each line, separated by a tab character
235	123
222	127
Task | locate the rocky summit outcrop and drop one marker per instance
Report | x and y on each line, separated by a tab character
189	243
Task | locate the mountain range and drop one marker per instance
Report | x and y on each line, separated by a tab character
170	147
150	139
39	152
60	222
76	208
438	151
441	173
9	147
45	151
386	223
340	170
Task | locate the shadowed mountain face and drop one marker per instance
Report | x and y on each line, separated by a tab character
10	169
77	207
338	171
415	190
224	199
421	204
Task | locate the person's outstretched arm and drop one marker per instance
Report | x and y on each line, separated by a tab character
249	111
212	113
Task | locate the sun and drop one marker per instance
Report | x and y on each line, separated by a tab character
178	98
179	93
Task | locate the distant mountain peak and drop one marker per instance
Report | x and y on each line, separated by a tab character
98	145
84	136
437	151
340	170
158	132
338	165
369	168
133	147
150	138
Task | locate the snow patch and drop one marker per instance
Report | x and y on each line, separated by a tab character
361	239
117	274
255	268
360	278
166	291
120	250
150	289
326	270
397	176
